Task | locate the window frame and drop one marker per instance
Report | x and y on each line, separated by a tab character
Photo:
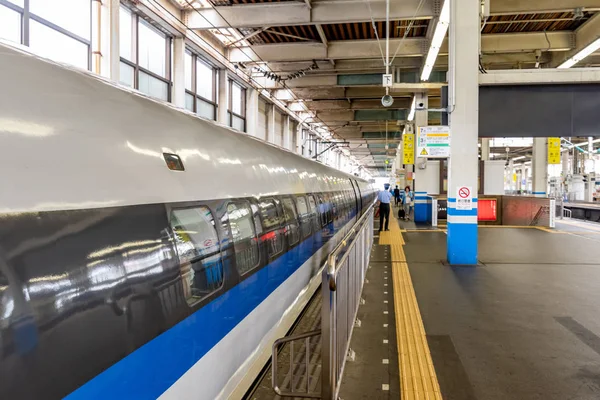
230	112
194	92
171	210
135	39
251	216
294	220
27	16
304	219
278	229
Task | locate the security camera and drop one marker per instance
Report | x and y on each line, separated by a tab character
420	106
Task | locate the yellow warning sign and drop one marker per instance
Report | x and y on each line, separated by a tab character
408	141
424	152
553	150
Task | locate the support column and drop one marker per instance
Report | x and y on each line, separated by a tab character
178	94
222	116
252	111
511	176
485	149
464	125
111	66
420	192
539	165
271	124
287	139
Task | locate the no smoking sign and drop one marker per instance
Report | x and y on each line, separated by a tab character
464	198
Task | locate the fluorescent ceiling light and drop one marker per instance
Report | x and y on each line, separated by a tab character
519	158
438	38
411	114
589	49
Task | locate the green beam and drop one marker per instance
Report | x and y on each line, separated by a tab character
381	135
382	145
359	79
380	115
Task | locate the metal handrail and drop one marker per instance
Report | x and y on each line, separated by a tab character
342	282
274	361
331	260
341	298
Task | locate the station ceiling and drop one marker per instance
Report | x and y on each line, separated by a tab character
345	41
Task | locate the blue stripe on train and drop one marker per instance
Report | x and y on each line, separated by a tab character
153	368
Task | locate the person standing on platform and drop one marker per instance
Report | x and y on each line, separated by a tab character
408	198
384	197
397	195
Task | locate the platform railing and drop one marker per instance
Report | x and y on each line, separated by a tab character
343	278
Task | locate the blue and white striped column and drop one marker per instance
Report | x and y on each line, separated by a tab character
462	234
463	98
420	206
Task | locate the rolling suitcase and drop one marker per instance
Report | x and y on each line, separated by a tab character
401	213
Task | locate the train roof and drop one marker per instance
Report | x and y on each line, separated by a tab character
73	140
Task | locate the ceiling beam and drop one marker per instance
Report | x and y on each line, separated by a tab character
345	11
507	7
524	42
296	13
540	76
411	47
321	34
342	66
584	35
338	50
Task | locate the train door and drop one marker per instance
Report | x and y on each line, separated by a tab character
358	197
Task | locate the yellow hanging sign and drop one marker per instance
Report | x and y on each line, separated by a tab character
408	145
553	150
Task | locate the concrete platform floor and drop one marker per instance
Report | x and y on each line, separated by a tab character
523	325
374	373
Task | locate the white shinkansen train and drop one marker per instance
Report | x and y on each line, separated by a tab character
145	252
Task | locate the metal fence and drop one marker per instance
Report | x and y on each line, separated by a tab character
341	288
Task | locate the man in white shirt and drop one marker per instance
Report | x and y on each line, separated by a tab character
384	197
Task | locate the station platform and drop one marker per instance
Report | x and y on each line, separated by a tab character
521	325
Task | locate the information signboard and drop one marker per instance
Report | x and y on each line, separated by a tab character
464	198
433	142
553	150
408	145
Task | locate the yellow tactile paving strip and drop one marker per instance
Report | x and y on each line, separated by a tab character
417	374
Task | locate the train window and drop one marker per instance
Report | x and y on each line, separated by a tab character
302	207
314	213
244	236
291	220
197	245
271	222
173	162
322	210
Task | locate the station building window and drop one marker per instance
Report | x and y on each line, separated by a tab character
237	106
59	30
145	56
200	86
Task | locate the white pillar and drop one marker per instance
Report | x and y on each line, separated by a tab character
539	165
511	176
485	149
252	111
464	124
421	116
271	124
178	93
111	54
222	116
287	139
